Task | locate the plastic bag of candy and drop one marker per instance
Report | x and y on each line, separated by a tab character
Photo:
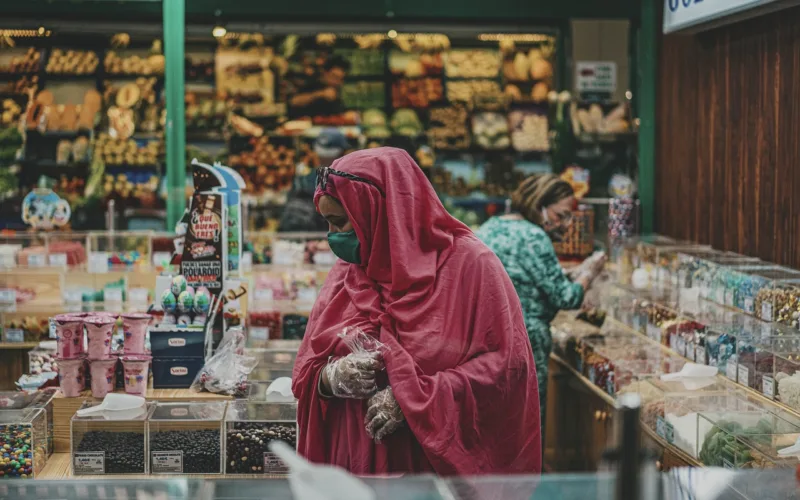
227	370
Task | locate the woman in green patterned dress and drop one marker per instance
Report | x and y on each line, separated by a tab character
541	212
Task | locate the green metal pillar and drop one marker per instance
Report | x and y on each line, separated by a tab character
648	74
175	133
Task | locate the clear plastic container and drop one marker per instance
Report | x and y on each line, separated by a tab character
109	443
731	281
706	275
23	435
625	254
249	428
186	438
780	302
272	363
755	355
769	284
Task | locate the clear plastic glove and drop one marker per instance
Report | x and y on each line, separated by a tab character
384	415
353	376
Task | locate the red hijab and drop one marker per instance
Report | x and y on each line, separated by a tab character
459	362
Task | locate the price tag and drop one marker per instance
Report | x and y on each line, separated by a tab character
744	375
167	461
307	294
673	342
274	465
749	307
700	354
766	329
591	374
37	260
766	311
258	333
58	259
89	462
654	332
112	295
681	342
731	370
728	297
15	335
246	264
8	300
98	262
768	386
669	432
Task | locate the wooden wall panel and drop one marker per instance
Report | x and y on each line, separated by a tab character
728	152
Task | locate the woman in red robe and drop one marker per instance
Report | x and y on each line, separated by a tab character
459	393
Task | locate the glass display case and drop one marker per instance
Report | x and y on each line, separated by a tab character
660	261
120	250
706	273
769	284
780	301
186	438
23	436
249	428
728	280
272	363
109	442
689	265
625	254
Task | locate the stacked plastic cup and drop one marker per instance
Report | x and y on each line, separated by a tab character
70	353
102	361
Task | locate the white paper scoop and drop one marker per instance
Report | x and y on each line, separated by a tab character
280	391
690	370
790	451
320	482
114	402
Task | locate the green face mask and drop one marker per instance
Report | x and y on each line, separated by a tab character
346	246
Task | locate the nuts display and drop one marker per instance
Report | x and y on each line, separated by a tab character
466	90
248	443
473	63
419	93
123	451
201	448
77	62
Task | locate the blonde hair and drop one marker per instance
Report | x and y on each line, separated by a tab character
538	191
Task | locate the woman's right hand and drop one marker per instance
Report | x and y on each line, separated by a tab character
353	376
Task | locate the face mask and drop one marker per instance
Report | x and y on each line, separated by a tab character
556	232
346	246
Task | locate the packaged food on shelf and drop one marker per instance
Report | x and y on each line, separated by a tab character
186	438
249	428
769	283
23	436
110	442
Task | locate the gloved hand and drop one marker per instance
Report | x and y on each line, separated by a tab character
384	415
353	376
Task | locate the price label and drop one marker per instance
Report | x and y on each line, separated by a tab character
731	370
274	465
768	386
58	259
744	375
669	432
89	462
653	332
681	342
749	307
591	374
728	297
15	335
37	260
766	311
8	300
661	427
766	329
112	295
673	342
246	264
167	462
700	354
259	332
98	262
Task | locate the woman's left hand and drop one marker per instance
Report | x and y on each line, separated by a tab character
384	415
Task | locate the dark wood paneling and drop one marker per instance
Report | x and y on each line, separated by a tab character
728	152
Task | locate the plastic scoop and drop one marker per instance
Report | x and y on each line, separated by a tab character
689	371
114	402
280	391
790	451
319	482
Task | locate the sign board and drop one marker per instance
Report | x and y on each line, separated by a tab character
596	76
683	14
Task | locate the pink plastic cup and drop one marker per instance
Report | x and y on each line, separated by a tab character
136	368
99	330
71	377
135	327
104	376
69	335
